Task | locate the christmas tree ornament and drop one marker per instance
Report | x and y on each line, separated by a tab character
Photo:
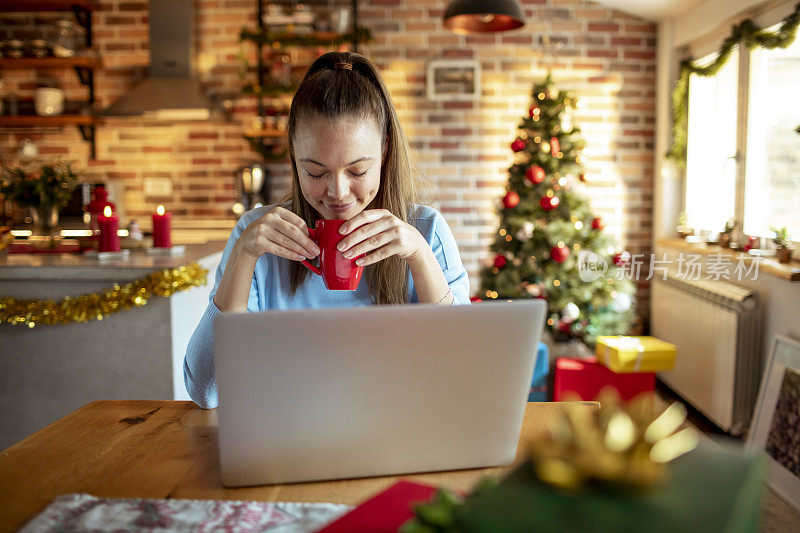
549	203
475	299
534	111
534	290
582	177
500	261
621	258
518	145
597	223
621	302
525	232
511	200
559	253
571	312
555	146
535	174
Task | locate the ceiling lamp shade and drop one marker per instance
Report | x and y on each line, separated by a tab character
483	16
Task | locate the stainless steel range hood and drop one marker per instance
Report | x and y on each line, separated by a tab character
171	92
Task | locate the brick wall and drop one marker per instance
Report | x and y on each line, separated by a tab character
605	56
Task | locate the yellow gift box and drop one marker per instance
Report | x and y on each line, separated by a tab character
635	354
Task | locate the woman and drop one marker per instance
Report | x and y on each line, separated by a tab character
350	161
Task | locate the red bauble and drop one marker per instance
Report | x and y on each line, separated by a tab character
564	327
511	200
518	145
475	299
535	174
559	254
534	110
500	261
555	147
621	258
549	203
597	223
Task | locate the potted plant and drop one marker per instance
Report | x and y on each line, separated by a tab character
725	235
784	244
683	228
44	187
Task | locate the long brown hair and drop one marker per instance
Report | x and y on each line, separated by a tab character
330	92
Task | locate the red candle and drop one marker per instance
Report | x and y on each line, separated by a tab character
109	224
162	222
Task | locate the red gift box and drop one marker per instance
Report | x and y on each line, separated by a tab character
384	512
587	377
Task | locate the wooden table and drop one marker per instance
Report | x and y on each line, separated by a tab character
162	449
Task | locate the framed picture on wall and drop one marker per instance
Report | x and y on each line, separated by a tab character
454	79
774	428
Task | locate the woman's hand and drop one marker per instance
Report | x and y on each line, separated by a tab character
280	232
380	234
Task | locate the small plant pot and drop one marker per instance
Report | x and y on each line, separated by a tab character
784	254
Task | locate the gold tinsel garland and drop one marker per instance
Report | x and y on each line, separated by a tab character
98	305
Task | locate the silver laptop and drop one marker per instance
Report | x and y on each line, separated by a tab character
368	391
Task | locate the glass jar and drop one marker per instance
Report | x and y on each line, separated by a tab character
15	48
67	38
39	48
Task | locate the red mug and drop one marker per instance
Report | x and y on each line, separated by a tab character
338	272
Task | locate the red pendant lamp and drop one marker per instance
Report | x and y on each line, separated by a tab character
483	16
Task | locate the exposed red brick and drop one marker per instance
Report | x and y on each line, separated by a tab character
603	26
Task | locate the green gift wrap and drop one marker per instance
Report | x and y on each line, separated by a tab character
710	489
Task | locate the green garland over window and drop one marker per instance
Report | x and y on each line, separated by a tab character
752	36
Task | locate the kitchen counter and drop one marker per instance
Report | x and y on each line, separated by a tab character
134	354
81	266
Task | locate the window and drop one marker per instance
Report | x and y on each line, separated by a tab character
763	192
711	146
772	170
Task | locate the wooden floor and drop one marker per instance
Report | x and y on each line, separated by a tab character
779	516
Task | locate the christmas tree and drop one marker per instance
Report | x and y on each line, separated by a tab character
549	244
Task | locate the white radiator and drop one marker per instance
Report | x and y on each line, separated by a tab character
717	328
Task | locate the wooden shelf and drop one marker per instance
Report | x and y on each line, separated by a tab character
33	121
84	67
270	133
32	6
264	37
768	265
50	62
